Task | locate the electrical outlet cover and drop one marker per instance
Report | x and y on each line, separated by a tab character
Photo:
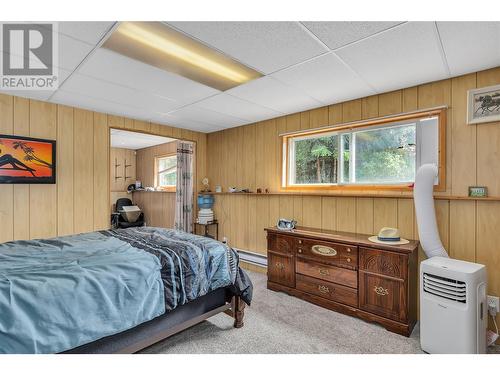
495	301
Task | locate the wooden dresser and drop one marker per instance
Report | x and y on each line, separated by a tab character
347	273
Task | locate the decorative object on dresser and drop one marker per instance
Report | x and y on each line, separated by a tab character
286	224
347	273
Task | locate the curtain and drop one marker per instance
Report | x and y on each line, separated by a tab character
184	189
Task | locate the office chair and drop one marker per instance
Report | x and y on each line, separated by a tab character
120	221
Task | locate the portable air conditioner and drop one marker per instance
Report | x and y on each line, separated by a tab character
453	308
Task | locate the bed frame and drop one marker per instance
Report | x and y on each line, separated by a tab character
166	325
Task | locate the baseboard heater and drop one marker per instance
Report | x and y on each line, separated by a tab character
252	258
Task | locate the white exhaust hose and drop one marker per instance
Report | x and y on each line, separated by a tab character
424	209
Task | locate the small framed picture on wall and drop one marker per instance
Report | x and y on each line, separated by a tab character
483	105
478	191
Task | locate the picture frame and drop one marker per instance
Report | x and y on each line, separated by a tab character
26	160
483	105
478	191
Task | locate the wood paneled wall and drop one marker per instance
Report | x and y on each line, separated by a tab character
158	207
123	170
250	156
118	180
146	161
79	201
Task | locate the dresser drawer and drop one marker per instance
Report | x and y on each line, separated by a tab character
328	273
383	262
328	290
383	296
281	244
329	252
281	268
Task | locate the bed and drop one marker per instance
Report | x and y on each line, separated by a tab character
114	291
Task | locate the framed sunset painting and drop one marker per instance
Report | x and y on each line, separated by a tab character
26	160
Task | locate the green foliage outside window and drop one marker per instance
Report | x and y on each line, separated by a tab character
167	170
316	160
384	155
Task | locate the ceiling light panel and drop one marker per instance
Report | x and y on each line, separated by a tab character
156	44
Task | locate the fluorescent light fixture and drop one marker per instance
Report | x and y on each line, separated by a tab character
156	44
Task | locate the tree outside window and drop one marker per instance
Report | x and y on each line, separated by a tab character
166	172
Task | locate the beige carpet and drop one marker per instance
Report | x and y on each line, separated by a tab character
278	323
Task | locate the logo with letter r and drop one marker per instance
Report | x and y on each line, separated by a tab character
28	49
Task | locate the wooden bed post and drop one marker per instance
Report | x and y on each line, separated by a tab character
238	307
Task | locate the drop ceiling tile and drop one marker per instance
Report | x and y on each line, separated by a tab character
72	52
171	120
325	78
271	93
87	31
236	107
265	46
82	101
470	46
403	56
338	34
98	89
206	116
113	67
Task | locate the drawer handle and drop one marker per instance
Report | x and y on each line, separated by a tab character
300	251
324	250
380	291
323	289
323	272
348	260
348	249
300	241
280	266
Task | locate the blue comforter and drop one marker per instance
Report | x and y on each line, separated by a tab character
61	293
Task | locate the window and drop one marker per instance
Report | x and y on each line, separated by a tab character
382	152
166	171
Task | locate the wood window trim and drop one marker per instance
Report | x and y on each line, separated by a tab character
162	188
440	113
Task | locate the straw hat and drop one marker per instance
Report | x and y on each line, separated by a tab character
389	236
